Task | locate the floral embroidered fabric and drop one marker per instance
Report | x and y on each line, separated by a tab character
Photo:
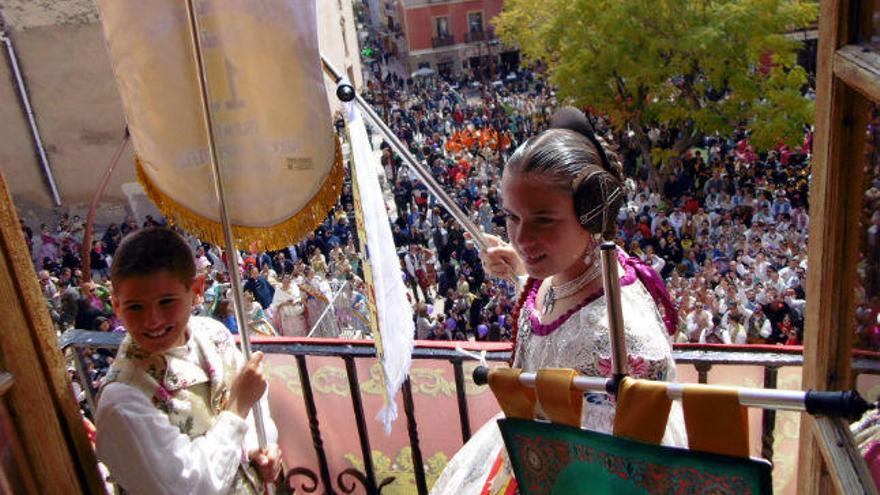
189	383
581	341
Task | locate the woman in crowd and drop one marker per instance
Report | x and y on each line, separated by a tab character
256	317
289	309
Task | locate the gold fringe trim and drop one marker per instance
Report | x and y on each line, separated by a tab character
276	236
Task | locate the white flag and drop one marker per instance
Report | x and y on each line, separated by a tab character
394	342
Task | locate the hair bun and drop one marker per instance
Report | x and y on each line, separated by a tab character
574	120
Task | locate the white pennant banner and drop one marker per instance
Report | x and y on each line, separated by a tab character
396	328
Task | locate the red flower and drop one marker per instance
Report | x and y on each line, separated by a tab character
604	366
163	394
638	367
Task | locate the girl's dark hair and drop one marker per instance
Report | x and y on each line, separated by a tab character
571	155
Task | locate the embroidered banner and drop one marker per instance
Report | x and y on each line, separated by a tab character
271	116
553	459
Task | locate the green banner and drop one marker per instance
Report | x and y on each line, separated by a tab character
551	459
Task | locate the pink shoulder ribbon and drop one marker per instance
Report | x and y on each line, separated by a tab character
635	267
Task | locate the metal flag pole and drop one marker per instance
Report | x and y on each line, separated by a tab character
423	174
846	403
231	252
611	284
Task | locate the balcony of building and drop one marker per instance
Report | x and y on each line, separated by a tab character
321	387
478	36
441	41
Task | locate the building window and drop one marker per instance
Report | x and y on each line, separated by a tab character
475	22
442	26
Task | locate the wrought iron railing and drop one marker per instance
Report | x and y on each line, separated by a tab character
441	41
478	36
702	357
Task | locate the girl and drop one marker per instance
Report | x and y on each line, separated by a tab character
256	317
562	192
788	330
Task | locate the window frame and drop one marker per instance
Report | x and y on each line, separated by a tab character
482	21
847	82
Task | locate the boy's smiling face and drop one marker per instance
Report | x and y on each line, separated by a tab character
155	309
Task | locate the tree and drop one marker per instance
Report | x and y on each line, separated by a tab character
697	66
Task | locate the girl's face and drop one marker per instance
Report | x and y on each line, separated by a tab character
542	226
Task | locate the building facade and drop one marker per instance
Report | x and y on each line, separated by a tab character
454	36
382	15
61	58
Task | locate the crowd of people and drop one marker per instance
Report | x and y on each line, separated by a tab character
727	233
286	291
464	140
725	228
867	290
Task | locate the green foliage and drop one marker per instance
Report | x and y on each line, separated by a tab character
695	65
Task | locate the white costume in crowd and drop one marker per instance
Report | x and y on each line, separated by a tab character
161	424
318	299
289	310
580	342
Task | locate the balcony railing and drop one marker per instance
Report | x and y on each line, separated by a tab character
477	36
78	343
442	41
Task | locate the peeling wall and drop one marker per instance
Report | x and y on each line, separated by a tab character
26	14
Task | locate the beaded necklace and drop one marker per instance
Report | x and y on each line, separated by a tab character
558	292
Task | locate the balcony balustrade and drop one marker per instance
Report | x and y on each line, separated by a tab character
695	362
476	36
442	41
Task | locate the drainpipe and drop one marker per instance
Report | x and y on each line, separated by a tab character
25	100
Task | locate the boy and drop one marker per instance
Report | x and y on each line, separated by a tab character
173	415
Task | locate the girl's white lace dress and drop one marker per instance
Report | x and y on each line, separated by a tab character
579	340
